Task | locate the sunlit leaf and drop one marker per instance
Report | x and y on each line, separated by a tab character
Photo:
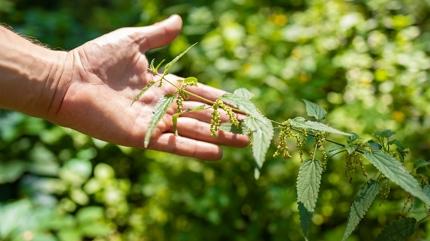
176	59
314	110
256	124
308	183
301	123
262	134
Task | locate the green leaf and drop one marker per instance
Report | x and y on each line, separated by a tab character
308	183
11	171
227	126
362	202
243	93
336	150
394	170
398	230
314	110
176	59
262	134
151	66
68	234
90	214
305	219
190	81
160	110
259	126
301	123
240	99
158	66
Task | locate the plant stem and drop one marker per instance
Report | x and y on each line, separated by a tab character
315	152
208	101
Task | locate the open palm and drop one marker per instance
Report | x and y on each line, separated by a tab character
110	71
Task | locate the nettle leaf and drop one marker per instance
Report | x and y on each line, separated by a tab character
305	219
362	202
243	93
396	172
301	123
229	127
308	183
160	110
262	134
398	230
255	123
241	99
176	59
156	68
314	110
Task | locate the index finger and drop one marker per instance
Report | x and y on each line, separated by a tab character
206	92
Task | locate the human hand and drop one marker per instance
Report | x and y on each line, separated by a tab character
108	72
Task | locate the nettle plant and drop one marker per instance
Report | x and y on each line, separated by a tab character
310	137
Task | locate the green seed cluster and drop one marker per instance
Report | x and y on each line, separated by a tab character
282	147
215	118
320	139
353	163
230	113
385	188
300	143
179	101
408	204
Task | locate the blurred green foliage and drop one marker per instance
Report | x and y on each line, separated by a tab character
367	62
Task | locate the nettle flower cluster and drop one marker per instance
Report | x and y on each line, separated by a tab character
310	137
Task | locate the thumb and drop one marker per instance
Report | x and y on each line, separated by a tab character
159	34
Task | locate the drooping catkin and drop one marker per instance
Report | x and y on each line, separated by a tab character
282	147
230	113
215	118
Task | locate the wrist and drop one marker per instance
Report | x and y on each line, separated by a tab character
47	78
33	79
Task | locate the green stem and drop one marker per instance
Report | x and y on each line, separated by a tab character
315	152
205	100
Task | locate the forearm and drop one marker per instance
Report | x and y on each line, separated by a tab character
31	76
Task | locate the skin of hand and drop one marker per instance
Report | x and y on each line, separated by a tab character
91	88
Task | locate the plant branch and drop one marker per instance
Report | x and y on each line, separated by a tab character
208	101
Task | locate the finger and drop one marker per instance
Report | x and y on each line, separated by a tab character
184	146
159	34
204	114
205	91
199	130
201	90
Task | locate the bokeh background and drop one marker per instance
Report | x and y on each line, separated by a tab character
366	62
